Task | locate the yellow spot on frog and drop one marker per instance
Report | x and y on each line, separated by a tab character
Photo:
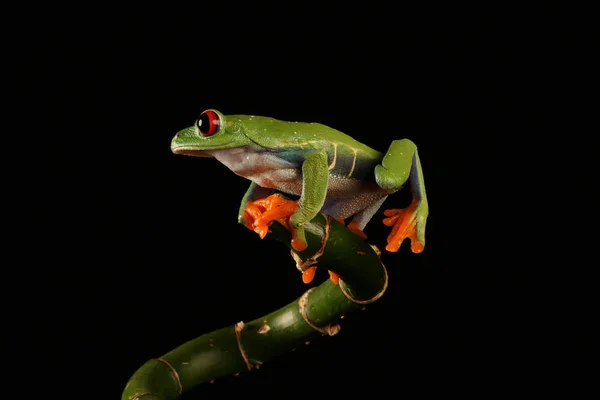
332	165
353	162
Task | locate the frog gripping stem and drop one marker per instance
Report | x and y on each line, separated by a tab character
260	213
331	173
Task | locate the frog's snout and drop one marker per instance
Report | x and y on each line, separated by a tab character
179	139
174	141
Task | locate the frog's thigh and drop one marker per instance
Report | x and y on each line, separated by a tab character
363	217
395	166
362	207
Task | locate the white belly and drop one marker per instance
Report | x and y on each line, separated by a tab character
269	171
263	168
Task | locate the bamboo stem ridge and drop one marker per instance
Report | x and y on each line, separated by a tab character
246	346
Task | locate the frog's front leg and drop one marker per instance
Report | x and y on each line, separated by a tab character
257	210
401	163
315	177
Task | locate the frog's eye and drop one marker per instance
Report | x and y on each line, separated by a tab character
209	123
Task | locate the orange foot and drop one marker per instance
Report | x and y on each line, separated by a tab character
260	213
404	222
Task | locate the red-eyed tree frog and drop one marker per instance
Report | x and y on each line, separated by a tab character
326	170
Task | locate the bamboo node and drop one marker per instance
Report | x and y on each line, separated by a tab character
302	305
238	328
174	371
138	395
303	265
376	249
333	329
378	295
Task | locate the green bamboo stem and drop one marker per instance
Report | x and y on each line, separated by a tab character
246	346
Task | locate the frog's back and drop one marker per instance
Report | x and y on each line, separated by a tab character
281	135
346	157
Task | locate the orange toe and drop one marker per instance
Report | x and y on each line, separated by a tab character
353	226
335	278
297	243
309	274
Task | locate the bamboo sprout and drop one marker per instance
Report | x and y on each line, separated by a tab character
246	346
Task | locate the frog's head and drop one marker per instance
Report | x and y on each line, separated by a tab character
211	132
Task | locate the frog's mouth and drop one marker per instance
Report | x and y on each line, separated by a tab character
203	152
190	151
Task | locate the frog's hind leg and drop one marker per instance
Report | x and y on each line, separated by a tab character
342	208
401	164
360	220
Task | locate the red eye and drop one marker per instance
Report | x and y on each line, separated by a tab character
209	123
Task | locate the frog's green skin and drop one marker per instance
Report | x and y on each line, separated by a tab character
330	171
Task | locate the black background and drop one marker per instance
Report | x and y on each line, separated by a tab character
145	249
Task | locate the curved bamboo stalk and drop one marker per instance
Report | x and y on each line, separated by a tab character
245	346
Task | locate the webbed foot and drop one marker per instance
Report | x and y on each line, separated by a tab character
258	214
407	223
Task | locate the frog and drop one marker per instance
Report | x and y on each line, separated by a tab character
299	169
